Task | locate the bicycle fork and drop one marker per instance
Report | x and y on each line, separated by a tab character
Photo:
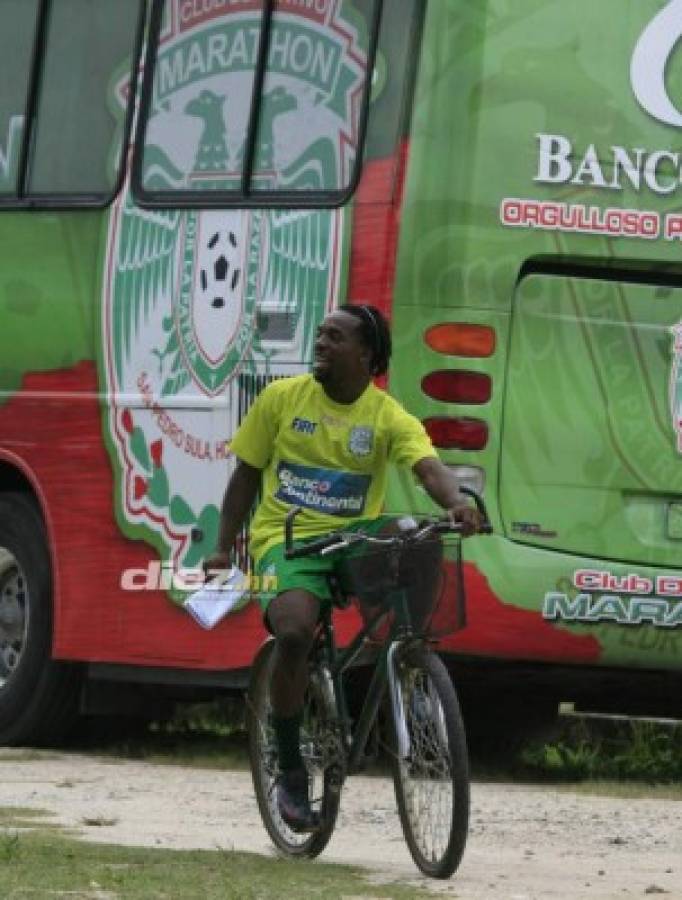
385	671
423	701
397	704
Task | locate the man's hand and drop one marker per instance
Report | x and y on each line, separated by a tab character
219	561
240	494
443	487
468	516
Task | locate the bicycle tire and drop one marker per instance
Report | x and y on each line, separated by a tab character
432	783
318	714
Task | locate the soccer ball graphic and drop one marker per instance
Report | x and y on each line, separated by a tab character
219	281
220	272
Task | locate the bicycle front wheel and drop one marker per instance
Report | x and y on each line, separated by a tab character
430	764
318	748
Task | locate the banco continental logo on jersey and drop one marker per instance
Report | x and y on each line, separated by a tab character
194	298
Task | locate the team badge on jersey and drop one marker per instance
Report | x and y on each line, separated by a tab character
360	441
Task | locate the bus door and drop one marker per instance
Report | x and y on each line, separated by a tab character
592	431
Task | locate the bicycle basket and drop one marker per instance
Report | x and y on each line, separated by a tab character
379	579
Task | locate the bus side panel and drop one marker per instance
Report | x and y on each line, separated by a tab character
120	403
541	201
111	596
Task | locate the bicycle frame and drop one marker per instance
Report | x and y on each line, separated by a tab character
402	631
355	741
395	593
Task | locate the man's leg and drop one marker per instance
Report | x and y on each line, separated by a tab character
292	617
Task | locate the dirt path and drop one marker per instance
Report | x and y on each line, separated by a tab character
525	842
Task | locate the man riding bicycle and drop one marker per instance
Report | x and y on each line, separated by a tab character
321	442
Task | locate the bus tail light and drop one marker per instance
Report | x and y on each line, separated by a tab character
457	386
461	339
458	433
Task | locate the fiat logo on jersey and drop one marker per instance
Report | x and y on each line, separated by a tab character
649	60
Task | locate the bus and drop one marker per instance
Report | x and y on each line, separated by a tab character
188	186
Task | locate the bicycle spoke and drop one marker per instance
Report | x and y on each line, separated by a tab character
428	782
315	750
432	782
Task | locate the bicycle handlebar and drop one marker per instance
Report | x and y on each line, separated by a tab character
310	547
335	540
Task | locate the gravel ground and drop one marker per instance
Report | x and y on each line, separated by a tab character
525	842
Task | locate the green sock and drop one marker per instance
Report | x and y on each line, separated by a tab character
287	734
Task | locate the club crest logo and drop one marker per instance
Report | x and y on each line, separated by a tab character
202	306
360	441
675	390
649	61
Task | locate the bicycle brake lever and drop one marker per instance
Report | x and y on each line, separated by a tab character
342	541
332	548
476	497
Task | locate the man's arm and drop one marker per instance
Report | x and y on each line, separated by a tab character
443	487
240	495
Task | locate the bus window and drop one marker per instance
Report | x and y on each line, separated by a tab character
304	106
16	52
196	127
251	103
78	128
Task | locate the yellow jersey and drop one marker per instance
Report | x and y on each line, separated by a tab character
328	458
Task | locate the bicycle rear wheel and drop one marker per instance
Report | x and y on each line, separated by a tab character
319	748
431	774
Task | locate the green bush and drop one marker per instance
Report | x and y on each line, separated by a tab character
626	750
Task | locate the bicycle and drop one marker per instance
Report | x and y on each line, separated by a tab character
427	743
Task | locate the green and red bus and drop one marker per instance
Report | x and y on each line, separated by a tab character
187	186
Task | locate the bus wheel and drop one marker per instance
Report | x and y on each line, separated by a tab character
38	696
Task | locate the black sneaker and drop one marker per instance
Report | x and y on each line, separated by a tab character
293	801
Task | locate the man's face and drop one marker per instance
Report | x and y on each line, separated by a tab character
340	353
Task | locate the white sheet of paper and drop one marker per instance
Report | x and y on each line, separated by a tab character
215	600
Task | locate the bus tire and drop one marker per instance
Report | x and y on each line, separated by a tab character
38	696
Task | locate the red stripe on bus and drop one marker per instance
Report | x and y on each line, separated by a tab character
498	629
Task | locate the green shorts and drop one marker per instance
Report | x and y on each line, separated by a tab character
275	574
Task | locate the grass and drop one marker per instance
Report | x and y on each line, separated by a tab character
42	863
21	817
619	752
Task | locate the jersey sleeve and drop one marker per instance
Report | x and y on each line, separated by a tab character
409	443
255	437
